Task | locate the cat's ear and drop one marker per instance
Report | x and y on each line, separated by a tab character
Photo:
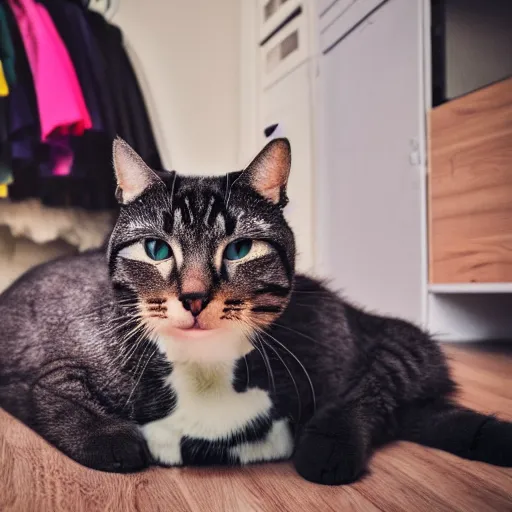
268	172
132	174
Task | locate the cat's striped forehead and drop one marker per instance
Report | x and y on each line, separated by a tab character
200	209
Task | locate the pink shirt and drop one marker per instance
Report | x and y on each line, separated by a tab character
61	105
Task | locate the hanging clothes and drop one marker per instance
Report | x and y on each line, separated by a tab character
62	110
24	134
75	91
4	87
133	123
7	80
5	169
70	21
7	55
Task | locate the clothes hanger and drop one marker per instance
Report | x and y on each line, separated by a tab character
105	7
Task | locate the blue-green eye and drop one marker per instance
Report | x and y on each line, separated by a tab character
238	250
157	250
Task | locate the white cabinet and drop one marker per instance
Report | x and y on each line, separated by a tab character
284	97
353	93
369	194
288	102
271	14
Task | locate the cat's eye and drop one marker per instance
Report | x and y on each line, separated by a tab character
157	250
238	250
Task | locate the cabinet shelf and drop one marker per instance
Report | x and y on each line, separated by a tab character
461	288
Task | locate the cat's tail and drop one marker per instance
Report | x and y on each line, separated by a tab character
450	427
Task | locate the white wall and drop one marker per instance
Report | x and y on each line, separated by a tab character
187	53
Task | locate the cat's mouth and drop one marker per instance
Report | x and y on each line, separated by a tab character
195	330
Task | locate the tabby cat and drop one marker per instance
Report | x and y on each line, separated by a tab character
191	340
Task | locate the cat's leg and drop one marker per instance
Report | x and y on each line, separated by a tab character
335	446
400	367
447	426
68	414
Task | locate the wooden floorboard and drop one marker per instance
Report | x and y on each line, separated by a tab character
402	477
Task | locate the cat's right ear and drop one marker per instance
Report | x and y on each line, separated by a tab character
133	176
268	173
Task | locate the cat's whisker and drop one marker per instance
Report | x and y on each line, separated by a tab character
227	190
141	373
249	332
134	300
147	343
140	376
303	335
109	328
171	200
125	338
126	354
266	359
92	314
111	332
137	319
231	186
284	347
142	336
248	380
299	401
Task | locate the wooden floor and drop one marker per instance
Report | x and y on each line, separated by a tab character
35	477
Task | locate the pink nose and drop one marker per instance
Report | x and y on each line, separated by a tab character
194	302
196	306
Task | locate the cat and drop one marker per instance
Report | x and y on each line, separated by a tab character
191	340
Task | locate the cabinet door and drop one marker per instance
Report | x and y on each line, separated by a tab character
288	102
369	192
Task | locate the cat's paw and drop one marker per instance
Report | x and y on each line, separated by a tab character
121	451
330	457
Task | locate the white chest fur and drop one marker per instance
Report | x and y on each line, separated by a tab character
208	408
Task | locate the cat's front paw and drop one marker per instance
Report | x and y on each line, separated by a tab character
121	451
330	456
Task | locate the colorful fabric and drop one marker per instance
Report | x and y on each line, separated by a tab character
4	87
7	55
61	105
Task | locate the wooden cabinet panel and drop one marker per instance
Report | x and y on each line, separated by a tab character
470	187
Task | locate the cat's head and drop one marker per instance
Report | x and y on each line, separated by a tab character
204	262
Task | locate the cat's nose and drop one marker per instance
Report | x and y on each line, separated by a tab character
194	302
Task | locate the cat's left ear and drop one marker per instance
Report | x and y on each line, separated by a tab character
268	173
134	177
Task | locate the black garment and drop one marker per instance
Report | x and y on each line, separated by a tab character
133	123
71	24
5	158
24	132
91	184
7	55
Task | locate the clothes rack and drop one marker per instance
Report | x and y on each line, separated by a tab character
57	128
